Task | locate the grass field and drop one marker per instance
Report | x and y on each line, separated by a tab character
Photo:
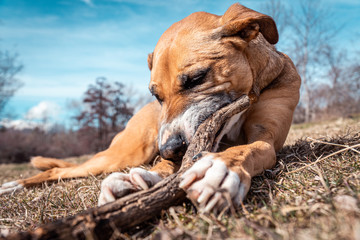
312	193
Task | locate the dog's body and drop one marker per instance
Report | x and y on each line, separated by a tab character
199	65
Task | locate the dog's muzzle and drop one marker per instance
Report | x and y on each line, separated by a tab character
174	148
174	136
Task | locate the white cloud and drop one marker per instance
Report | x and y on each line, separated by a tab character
42	115
88	2
21	124
44	112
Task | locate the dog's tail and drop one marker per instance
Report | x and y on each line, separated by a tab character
44	164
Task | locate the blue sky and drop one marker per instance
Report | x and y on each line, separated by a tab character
65	44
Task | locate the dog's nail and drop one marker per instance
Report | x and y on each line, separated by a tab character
140	181
187	180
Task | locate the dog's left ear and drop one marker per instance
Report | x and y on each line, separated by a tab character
150	60
246	23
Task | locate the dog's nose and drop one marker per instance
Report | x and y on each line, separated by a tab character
174	148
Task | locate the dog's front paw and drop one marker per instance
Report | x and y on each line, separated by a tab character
118	184
209	181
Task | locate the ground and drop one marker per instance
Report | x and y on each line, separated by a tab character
312	193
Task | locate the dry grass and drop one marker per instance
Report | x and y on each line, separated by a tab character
306	195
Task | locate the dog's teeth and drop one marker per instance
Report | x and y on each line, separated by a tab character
140	181
187	180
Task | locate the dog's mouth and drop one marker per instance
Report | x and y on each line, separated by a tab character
216	102
227	125
203	118
175	136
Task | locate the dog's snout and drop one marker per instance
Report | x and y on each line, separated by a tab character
174	148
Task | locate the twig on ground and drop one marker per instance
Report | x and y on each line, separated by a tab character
334	144
326	157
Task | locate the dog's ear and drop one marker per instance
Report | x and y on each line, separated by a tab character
246	23
150	60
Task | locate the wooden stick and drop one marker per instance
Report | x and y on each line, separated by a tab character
129	211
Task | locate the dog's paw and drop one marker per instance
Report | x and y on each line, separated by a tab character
211	184
10	187
118	184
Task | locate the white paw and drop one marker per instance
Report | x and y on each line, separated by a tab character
207	180
118	184
10	187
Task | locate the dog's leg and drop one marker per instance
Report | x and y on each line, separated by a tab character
266	127
118	184
134	146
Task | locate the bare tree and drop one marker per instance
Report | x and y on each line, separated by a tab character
353	76
308	39
9	84
339	94
344	84
119	111
312	34
106	109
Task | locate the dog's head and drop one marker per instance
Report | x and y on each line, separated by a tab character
198	66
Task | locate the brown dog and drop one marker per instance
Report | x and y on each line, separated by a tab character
199	65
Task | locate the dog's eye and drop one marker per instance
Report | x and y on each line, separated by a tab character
188	81
153	91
